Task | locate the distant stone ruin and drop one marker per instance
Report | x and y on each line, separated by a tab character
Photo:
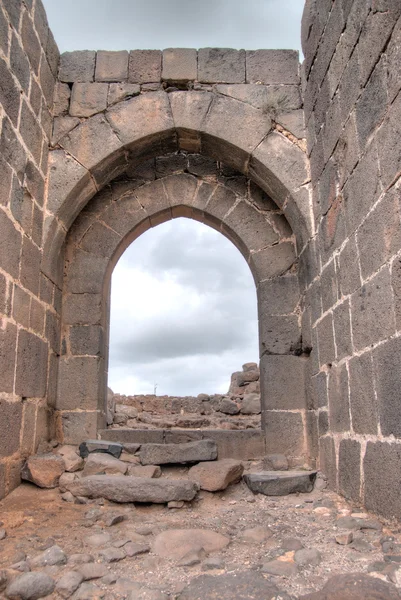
240	408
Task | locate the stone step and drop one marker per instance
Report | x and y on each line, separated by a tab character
245	444
280	483
133	489
189	452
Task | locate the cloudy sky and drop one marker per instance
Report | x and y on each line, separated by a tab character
183	310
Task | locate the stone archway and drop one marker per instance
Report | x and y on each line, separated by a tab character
119	214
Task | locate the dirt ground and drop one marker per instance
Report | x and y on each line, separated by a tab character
35	519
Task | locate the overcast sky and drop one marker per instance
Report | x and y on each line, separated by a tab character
183	309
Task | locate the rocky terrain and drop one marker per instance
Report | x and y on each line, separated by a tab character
173	522
240	408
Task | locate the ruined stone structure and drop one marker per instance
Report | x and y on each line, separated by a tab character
95	148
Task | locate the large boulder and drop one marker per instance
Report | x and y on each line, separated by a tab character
191	452
134	489
355	586
251	404
44	470
177	543
104	464
216	475
280	483
228	407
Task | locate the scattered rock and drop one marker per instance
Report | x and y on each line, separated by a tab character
192	558
355	586
92	571
175	504
130	458
99	539
280	483
132	549
280	568
134	489
79	559
344	538
153	471
68	497
73	462
112	555
109	579
228	407
130	411
100	446
89	591
65	480
69	582
22	566
113	518
291	544
51	556
275	462
176	543
255	535
3	534
104	464
251	406
246	585
216	475
44	470
212	563
307	556
161	454
30	586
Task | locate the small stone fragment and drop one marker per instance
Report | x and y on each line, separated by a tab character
3	534
99	464
30	586
92	571
280	568
193	557
113	518
99	539
112	555
109	579
79	559
65	480
275	462
344	538
89	591
73	462
176	504
67	497
291	544
176	543
132	549
50	557
307	556
69	582
212	563
153	471
255	535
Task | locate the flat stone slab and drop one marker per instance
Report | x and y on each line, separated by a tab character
177	543
133	489
216	475
191	452
280	483
246	585
106	446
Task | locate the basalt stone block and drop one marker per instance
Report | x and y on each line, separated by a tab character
31	374
363	401
144	66
134	489
221	65
133	436
179	65
280	483
10	427
160	454
87	99
349	469
283	382
279	335
77	66
111	66
386	361
328	462
272	66
216	475
284	432
245	585
103	446
382	473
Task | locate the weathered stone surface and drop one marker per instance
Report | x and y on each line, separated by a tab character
72	461
111	66
221	65
144	66
179	65
272	66
77	66
113	448
144	471
280	568
246	585
355	586
100	463
251	405
87	99
68	583
44	470
50	557
122	91
176	543
161	454
133	489
216	475
30	586
275	462
228	407
280	483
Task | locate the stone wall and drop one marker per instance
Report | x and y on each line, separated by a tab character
351	268
28	299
